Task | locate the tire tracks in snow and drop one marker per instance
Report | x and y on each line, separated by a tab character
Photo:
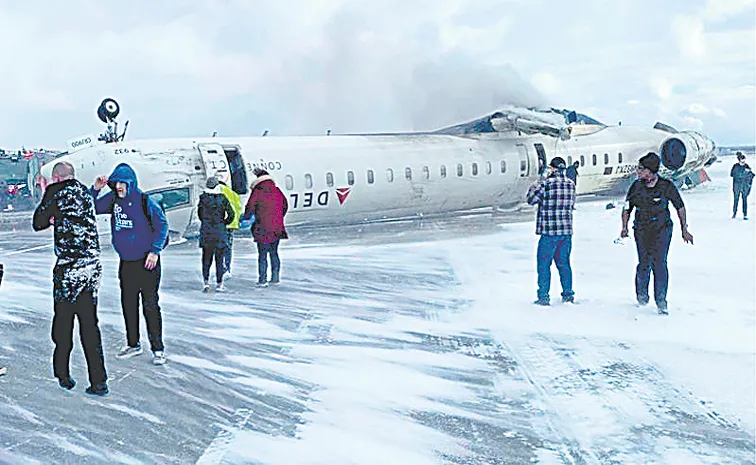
601	401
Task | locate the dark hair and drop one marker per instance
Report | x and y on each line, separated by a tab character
740	155
557	162
259	172
650	161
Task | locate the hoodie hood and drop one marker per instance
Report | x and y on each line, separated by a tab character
125	174
214	190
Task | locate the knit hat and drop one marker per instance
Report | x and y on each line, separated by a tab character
650	161
212	182
740	155
558	162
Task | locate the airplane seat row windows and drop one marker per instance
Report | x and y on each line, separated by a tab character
370	175
595	159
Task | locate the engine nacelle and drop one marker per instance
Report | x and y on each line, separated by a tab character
673	154
685	153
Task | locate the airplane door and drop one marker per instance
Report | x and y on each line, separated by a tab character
522	152
214	159
541	151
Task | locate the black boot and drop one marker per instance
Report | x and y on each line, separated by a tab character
67	383
99	390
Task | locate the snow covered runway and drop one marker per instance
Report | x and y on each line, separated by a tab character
411	344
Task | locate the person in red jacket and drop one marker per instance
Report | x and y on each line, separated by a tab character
269	206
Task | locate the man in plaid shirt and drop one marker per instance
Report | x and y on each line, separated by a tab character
555	196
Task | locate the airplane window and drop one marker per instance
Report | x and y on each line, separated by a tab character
443	171
488	167
172	198
594	159
582	160
619	157
475	169
606	158
503	166
370	178
350	178
289	182
569	160
459	170
523	166
308	181
329	179
390	175
426	172
408	173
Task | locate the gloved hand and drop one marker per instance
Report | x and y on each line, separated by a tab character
246	224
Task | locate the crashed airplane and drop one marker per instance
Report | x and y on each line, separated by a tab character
487	163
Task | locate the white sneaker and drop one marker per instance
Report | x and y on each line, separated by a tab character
220	287
206	287
262	284
227	275
158	357
128	351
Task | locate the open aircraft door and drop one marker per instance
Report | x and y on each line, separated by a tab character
214	159
524	160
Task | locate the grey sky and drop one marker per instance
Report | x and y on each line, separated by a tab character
238	67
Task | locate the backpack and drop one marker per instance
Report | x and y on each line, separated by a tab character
149	219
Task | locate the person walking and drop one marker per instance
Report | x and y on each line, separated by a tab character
68	206
215	212
572	172
649	196
268	205
236	204
139	233
742	179
555	196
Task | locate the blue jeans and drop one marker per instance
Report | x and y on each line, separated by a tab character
739	191
556	248
653	247
263	250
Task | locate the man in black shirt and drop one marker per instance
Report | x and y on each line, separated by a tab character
742	177
650	195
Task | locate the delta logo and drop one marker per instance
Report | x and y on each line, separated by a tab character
343	193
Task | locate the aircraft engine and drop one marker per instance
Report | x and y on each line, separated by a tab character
673	153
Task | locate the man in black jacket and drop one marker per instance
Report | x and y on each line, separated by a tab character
69	207
742	178
650	196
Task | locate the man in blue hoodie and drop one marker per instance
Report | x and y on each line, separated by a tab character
139	232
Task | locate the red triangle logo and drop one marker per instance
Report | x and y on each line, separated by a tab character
343	193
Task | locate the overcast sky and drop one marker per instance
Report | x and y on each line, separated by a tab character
188	68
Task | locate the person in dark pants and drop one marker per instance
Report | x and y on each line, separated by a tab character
650	195
555	197
235	201
572	172
69	207
215	213
269	206
139	233
742	178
